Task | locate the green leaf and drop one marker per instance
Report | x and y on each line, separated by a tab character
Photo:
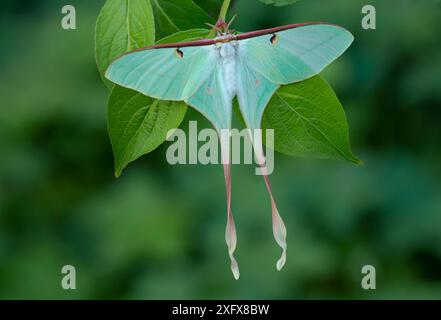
279	3
138	124
212	7
188	35
172	16
122	25
309	121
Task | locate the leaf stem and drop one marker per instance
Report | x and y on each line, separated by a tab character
224	10
222	16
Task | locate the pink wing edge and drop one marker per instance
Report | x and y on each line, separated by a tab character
241	36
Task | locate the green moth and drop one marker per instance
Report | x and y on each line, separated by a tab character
208	74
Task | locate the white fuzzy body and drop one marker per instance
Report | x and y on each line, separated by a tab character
228	55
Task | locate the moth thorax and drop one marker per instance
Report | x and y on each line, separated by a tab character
227	50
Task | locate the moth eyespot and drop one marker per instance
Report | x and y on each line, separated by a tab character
179	53
274	39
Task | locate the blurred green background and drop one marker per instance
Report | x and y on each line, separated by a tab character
158	231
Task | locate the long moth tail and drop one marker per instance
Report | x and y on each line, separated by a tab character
279	229
230	232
